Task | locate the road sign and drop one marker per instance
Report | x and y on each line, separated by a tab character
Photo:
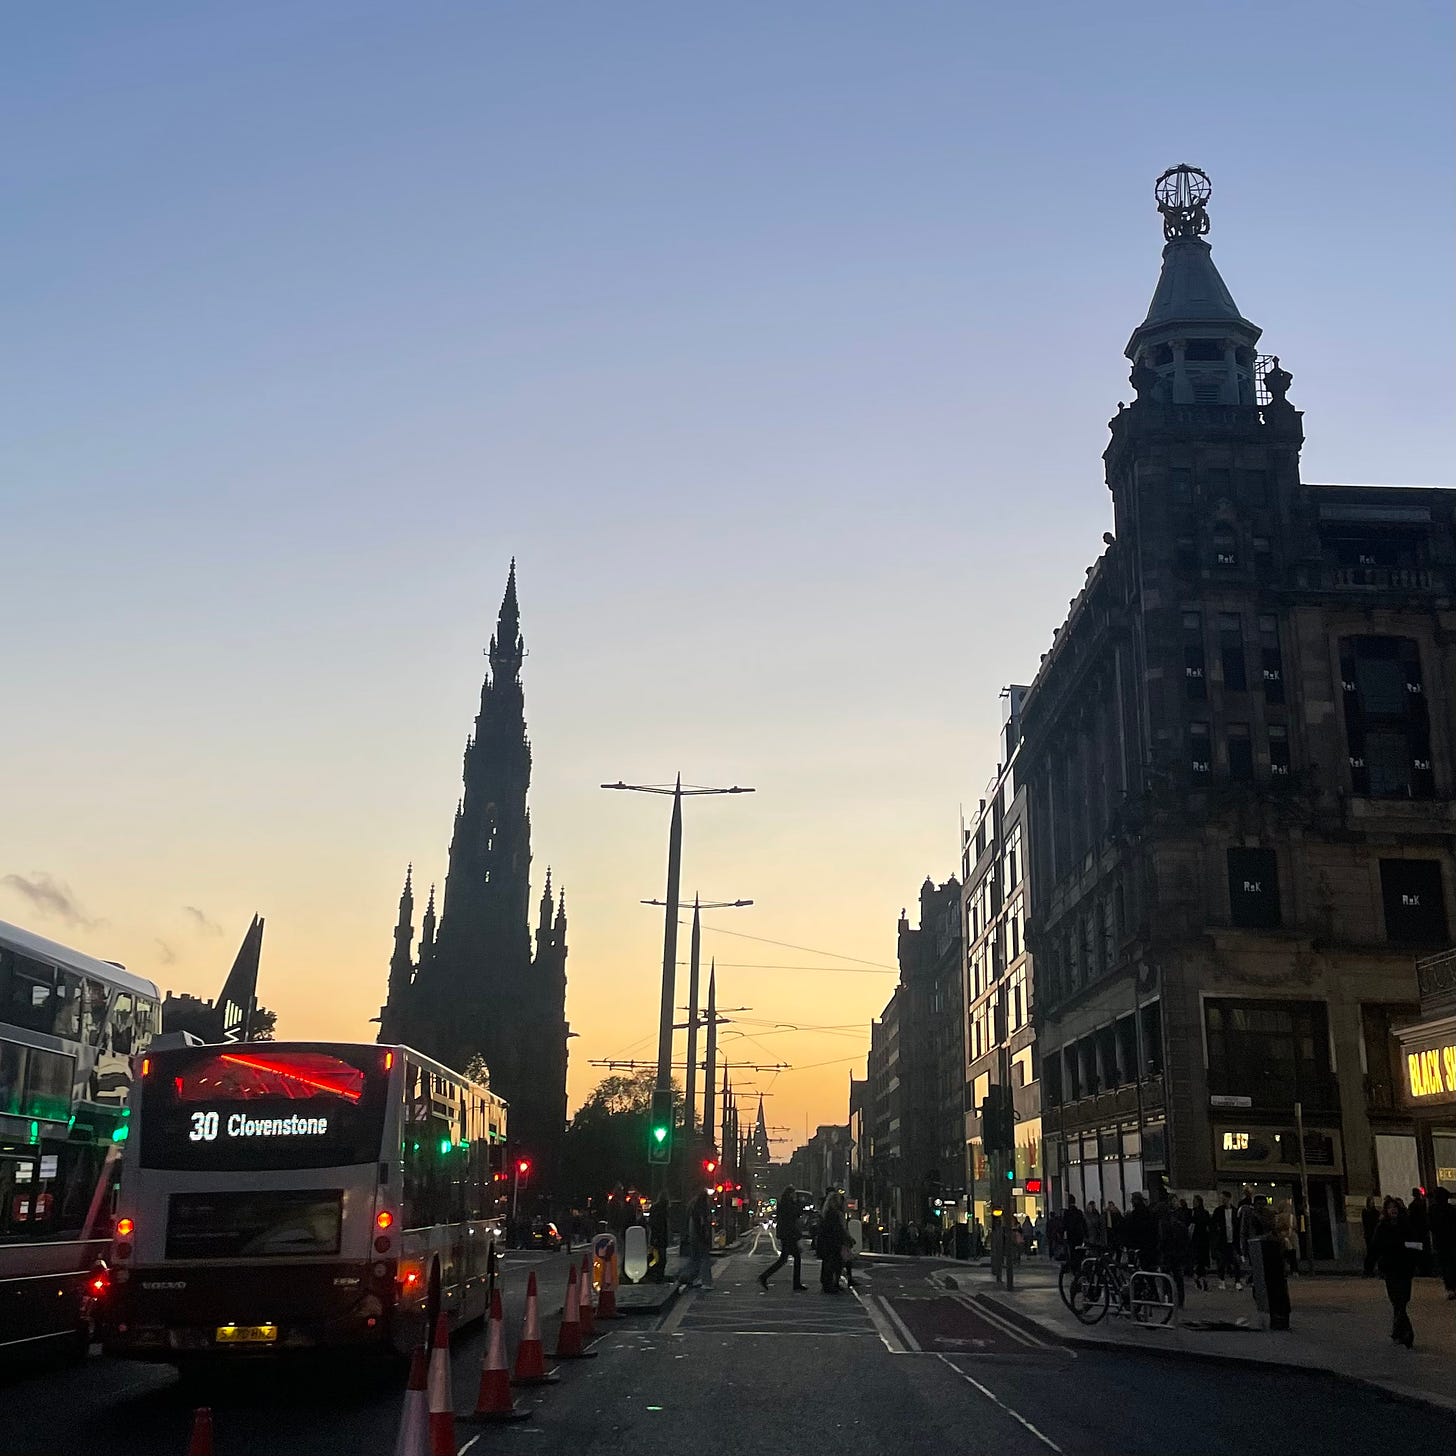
1219	1100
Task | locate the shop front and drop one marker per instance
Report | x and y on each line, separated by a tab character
1428	1086
1265	1160
1112	1163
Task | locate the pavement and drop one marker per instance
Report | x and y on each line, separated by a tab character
903	1363
1338	1323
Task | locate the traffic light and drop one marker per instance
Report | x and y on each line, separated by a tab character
523	1172
710	1166
659	1132
998	1121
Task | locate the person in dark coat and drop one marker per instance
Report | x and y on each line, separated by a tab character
1140	1233
1396	1260
1369	1222
1225	1243
786	1230
658	1235
697	1273
1074	1231
1200	1234
830	1244
1443	1238
1417	1216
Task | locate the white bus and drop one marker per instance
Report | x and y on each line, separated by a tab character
284	1197
69	1028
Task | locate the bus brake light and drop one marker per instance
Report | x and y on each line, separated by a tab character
125	1228
384	1219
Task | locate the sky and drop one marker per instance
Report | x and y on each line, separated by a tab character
775	341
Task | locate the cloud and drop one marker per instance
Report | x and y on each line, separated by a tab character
165	953
201	921
51	898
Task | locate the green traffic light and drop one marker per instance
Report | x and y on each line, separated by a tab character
660	1134
1010	1175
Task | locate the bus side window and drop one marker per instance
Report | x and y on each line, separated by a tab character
93	1012
27	992
122	1024
66	1019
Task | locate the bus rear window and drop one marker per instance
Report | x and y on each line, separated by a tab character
258	1224
260	1108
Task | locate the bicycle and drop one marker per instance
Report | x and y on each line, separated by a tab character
1104	1283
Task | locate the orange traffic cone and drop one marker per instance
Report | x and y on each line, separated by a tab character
414	1421
607	1300
568	1337
530	1358
494	1402
584	1289
200	1442
442	1403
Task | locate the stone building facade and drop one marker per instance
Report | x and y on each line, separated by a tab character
1240	758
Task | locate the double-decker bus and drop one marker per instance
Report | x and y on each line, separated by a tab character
70	1026
285	1197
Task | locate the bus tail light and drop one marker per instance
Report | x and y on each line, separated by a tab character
384	1219
383	1244
125	1227
98	1282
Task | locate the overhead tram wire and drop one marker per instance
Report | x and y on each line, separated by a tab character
807	949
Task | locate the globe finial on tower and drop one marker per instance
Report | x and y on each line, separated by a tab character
1182	193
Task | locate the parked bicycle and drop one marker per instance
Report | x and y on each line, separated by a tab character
1107	1282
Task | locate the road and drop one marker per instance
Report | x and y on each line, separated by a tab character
901	1364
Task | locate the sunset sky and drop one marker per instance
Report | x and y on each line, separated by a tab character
776	341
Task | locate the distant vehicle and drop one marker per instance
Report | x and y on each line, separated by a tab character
69	1028
292	1196
543	1234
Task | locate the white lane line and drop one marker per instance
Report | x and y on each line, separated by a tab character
685	1302
1001	1404
999	1321
908	1340
470	1443
883	1328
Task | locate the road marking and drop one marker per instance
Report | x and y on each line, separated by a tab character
907	1340
998	1321
882	1326
469	1444
1001	1404
685	1302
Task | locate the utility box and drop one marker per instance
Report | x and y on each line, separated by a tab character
1271	1281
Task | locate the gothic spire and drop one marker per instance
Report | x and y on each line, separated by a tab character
507	647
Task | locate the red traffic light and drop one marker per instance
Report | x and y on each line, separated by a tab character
710	1166
523	1167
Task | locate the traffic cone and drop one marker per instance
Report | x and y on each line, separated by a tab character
200	1442
584	1289
494	1402
607	1300
568	1337
414	1421
442	1404
530	1358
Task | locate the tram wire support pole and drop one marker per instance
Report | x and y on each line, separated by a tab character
663	1083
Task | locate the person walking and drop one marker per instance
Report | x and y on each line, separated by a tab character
1369	1222
1112	1216
1140	1233
1096	1228
1418	1219
1200	1232
1395	1258
1443	1238
1226	1241
697	1273
786	1231
830	1243
1074	1233
1172	1246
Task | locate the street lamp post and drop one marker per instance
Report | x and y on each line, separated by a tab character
669	938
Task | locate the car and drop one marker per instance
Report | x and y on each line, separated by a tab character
543	1234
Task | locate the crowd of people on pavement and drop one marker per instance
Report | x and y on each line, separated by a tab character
1190	1240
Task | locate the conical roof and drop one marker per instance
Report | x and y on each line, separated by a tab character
1190	292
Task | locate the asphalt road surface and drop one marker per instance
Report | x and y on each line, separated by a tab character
899	1365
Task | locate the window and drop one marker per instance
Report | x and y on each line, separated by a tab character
1109	932
1263	558
1216	483
1254	486
1225	553
1240	752
1231	651
1278	751
1199	761
1253	878
1181	480
1272	659
1415	901
1195	685
1185	556
1276	1052
1386	724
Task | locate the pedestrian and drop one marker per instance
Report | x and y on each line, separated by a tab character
1226	1241
1172	1246
1028	1233
697	1273
1043	1243
1057	1236
1369	1222
846	1256
1112	1217
1443	1238
786	1230
1284	1231
830	1243
1395	1252
1074	1232
1096	1228
1200	1231
1418	1216
658	1235
1140	1233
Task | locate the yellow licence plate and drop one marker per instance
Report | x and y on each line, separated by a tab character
246	1334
